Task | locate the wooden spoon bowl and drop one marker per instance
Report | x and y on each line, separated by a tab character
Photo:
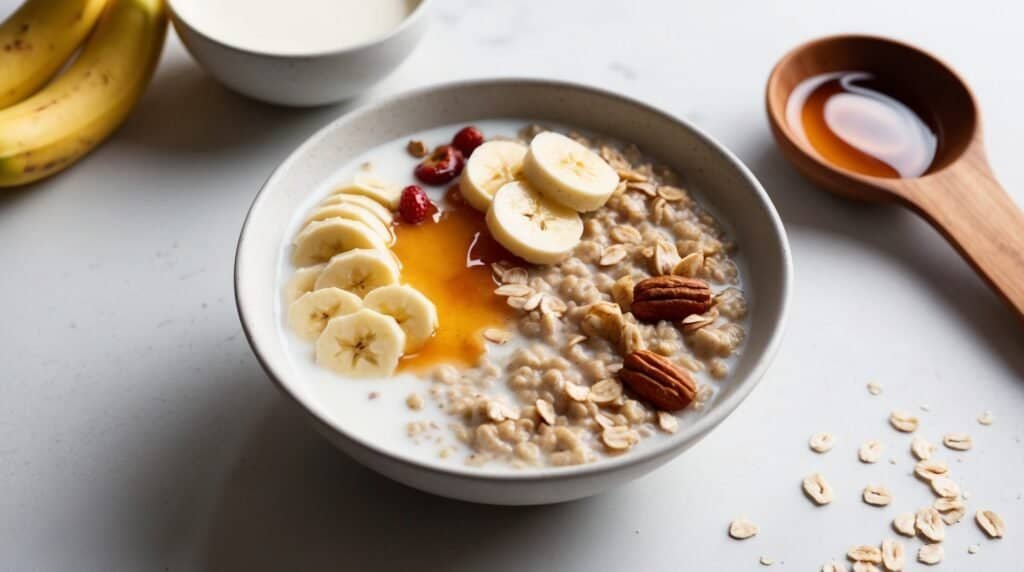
958	194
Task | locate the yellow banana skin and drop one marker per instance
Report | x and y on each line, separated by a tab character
38	39
77	111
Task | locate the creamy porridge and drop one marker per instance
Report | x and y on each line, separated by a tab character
569	323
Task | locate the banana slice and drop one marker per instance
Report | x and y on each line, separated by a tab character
359	271
413	311
354	212
369	185
301	282
569	173
361	344
532	227
309	314
379	210
322	239
489	168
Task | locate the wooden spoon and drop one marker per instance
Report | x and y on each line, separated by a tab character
958	194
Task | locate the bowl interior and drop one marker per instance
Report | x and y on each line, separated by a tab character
721	181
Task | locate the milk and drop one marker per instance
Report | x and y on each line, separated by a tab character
294	26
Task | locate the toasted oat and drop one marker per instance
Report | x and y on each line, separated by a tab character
904	524
877	495
667	422
631	176
576	392
694	322
871	451
605	391
930	470
892	555
689	265
417	148
625	235
546	411
604	420
874	388
833	566
516	290
613	255
618	438
903	420
864	567
929	524
533	302
930	554
865	553
742	529
986	418
516	302
817	489
497	336
575	340
957	441
670	193
516	275
414	401
973	549
646	188
822	442
945	487
921	448
553	305
991	523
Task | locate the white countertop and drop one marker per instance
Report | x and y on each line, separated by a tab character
137	431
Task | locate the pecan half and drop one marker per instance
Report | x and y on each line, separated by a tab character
670	298
658	380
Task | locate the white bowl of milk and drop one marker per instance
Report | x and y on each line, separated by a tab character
299	52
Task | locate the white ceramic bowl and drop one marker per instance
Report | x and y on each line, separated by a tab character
300	79
719	177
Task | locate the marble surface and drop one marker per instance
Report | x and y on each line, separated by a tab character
137	431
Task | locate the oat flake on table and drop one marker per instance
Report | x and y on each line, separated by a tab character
874	388
986	418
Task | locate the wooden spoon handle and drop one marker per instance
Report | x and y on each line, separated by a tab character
975	214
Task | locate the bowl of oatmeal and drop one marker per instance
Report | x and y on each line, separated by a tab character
513	291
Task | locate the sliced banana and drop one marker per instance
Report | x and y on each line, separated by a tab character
413	311
354	212
322	239
361	344
490	167
359	271
301	282
569	173
379	210
309	314
369	185
531	226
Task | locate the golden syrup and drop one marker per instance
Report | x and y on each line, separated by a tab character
448	257
851	120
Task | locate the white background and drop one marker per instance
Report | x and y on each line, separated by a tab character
137	431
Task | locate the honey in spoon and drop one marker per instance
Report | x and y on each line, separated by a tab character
853	122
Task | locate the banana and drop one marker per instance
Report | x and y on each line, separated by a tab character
413	311
301	282
369	204
72	115
490	167
531	226
359	271
354	212
369	185
361	344
38	39
309	314
569	173
322	239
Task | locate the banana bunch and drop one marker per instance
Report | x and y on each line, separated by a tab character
42	131
345	295
532	194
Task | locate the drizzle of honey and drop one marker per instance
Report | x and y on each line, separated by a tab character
448	258
853	120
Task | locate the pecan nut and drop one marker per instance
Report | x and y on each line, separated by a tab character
670	298
658	380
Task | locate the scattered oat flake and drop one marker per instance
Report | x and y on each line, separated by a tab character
930	554
870	451
876	495
904	524
414	402
986	418
973	549
822	442
864	567
957	441
930	470
921	448
991	523
930	524
742	529
865	553
517	290
892	555
667	422
817	489
874	388
903	420
945	487
833	566
497	336
765	561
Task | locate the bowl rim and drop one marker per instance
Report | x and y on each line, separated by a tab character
410	20
689	434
